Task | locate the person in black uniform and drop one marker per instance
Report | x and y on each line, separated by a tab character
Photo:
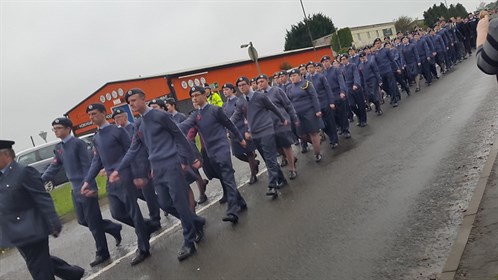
28	217
72	154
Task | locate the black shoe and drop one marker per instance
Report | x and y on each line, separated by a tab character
318	158
362	124
334	145
202	199
199	234
351	119
292	174
284	162
80	273
242	207
408	92
257	166
117	237
140	257
223	200
347	135
230	218
380	113
253	179
99	259
185	252
272	192
304	149
395	104
282	184
417	89
152	227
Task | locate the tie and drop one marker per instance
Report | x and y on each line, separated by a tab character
247	98
266	91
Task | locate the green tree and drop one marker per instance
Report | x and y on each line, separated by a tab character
434	13
342	39
405	24
297	37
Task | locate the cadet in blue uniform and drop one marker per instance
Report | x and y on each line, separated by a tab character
387	66
245	154
353	56
326	100
338	86
355	92
28	217
212	124
110	145
440	47
284	80
140	170
371	80
303	96
283	133
425	56
72	154
164	141
410	60
257	111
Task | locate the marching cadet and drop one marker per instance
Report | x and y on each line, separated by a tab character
410	60
110	145
163	139
213	97
73	155
353	56
303	96
254	84
355	93
28	217
245	154
191	174
425	37
401	77
283	133
140	170
371	80
387	66
337	85
284	80
212	124
275	80
440	47
425	56
257	111
303	72
319	67
326	100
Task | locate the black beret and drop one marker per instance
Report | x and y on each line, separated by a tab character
170	101
96	106
228	85
377	40
116	112
362	54
195	89
275	75
282	73
6	144
242	79
344	55
325	57
294	71
132	92
387	43
206	85
310	63
302	65
63	121
351	49
262	76
158	102
318	64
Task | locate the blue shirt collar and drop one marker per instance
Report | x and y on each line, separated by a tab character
106	124
204	106
147	111
67	138
5	169
250	94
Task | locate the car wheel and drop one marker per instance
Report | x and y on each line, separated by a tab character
49	186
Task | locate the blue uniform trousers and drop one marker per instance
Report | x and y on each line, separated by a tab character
330	127
341	115
357	103
172	193
371	91
267	147
426	70
88	214
225	167
389	85
124	208
148	194
43	266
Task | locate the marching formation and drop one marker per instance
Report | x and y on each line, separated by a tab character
156	157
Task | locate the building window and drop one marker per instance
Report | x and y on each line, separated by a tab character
368	35
358	36
387	32
378	34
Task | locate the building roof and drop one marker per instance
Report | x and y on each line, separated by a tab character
370	26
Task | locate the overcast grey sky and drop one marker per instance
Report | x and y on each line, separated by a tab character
56	53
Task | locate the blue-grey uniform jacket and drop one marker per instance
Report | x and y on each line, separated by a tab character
76	159
323	90
409	54
212	124
385	61
351	76
423	50
27	213
257	111
303	97
336	81
140	167
368	71
159	133
284	105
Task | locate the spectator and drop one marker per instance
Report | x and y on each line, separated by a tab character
487	45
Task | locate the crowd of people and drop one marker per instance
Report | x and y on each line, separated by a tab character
156	157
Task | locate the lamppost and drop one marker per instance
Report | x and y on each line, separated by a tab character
253	54
43	135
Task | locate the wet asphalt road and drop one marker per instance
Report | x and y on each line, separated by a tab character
385	205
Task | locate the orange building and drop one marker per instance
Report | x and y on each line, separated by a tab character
176	84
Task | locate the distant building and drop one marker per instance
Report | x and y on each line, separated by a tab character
365	35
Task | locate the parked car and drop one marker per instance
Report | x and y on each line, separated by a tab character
41	156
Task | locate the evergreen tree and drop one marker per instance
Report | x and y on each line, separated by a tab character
297	37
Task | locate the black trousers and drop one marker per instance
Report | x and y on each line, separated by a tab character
267	146
43	266
330	127
148	194
357	103
341	115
